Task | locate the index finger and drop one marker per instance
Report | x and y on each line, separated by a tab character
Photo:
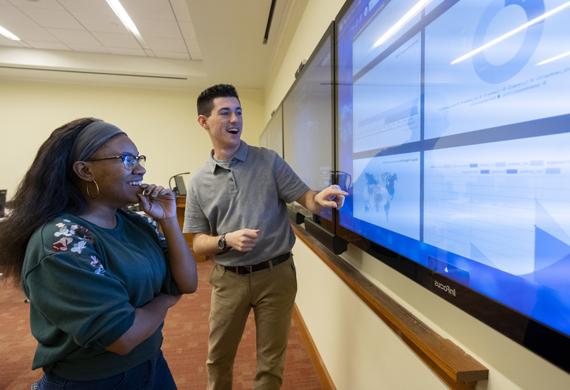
251	233
335	191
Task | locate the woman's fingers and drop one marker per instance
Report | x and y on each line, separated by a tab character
154	191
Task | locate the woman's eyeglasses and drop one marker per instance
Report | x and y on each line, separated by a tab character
129	161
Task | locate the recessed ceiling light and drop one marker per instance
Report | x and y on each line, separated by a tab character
120	11
8	34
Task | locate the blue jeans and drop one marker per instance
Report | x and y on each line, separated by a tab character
153	374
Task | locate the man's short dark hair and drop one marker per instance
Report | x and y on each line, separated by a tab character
205	101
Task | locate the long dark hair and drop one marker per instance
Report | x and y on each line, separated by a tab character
48	189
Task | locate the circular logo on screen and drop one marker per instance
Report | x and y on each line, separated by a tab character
498	73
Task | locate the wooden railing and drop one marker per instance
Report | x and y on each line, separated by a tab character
455	367
180	207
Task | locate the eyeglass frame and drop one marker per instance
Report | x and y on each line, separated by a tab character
124	159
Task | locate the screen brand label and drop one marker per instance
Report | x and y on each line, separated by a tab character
445	287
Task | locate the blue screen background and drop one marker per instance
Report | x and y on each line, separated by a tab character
462	167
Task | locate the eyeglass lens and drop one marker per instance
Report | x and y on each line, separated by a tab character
129	161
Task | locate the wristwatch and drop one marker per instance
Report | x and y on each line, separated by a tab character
222	244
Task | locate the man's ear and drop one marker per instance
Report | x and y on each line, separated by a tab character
203	121
83	171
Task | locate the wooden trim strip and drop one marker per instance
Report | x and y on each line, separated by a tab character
322	372
189	237
455	367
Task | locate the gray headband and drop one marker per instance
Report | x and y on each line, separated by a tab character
91	138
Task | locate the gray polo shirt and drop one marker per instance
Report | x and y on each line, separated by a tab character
251	193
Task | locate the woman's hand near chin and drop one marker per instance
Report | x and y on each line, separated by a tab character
160	203
157	201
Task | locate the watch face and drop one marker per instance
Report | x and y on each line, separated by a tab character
222	243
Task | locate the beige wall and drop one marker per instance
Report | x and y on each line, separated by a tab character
316	19
359	351
162	123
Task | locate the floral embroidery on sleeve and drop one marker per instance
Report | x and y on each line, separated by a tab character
64	230
67	233
79	246
61	244
96	263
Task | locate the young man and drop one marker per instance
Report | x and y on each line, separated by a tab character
236	206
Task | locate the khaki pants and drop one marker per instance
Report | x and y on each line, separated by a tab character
271	294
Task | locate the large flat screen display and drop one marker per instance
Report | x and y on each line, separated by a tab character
308	120
272	136
454	123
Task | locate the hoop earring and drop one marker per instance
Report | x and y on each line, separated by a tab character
96	187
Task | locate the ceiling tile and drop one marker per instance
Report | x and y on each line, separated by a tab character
36	15
172	54
52	18
81	47
48	45
215	32
160	28
9	42
75	38
20	24
128	52
117	40
181	10
94	15
159	43
191	40
34	5
155	9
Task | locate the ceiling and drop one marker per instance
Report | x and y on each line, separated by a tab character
182	43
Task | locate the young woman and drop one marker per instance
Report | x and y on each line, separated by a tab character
100	279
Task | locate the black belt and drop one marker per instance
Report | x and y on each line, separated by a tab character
247	269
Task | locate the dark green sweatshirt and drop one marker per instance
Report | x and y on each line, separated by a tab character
84	283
